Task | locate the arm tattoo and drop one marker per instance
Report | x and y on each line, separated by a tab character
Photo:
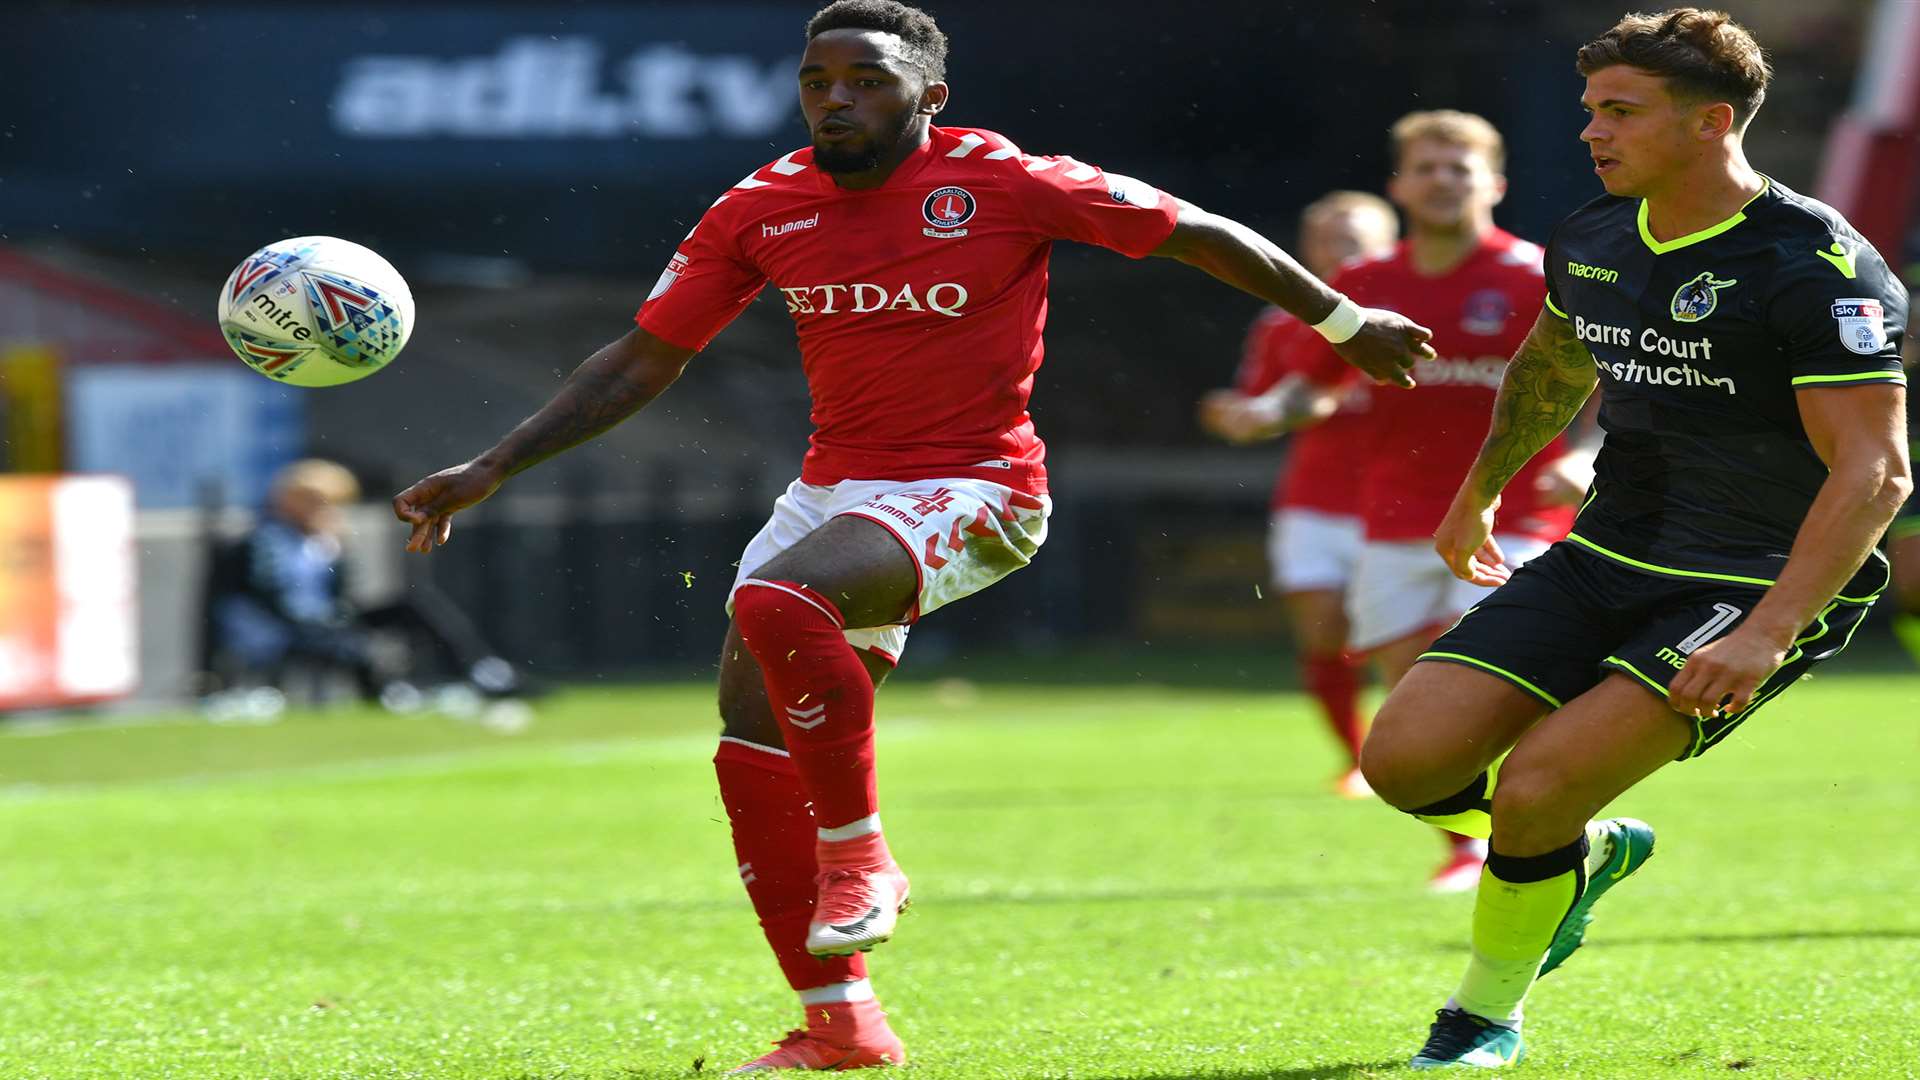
1548	380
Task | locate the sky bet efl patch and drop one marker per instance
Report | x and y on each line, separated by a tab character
1862	324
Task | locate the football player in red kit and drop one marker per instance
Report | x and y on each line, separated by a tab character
913	260
1479	287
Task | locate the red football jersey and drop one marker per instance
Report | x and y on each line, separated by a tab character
1422	441
1322	471
918	304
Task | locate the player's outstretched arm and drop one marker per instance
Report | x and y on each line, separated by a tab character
1383	344
1549	378
1860	432
1293	403
609	386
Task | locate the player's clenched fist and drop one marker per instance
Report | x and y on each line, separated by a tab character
429	505
1387	346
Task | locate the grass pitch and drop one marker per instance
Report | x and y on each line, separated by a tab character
1111	880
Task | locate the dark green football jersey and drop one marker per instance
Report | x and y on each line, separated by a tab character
1702	343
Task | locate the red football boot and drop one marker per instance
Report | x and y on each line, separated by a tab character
845	1035
1460	873
862	893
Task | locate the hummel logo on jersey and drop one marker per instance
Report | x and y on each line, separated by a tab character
791	226
934	502
1698	298
1841	258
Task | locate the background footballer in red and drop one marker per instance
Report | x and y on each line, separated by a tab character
1480	288
1315	532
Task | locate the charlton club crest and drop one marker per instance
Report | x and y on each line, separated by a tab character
947	209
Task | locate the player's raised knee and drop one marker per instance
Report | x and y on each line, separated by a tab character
1395	774
763	607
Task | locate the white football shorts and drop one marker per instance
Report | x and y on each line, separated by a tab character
1403	586
1312	549
962	534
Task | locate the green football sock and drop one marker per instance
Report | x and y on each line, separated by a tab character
1520	904
1468	811
1906	627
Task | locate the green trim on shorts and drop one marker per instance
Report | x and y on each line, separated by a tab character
1668	570
1895	377
1500	671
1701	574
1702	744
1698	722
1638	674
1904	528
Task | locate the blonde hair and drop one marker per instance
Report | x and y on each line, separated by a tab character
329	480
1453	127
1350	202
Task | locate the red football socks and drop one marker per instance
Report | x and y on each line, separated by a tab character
820	693
1334	681
773	837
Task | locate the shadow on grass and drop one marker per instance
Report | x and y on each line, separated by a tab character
1345	1070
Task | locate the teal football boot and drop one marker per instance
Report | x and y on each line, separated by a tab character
1459	1038
1632	846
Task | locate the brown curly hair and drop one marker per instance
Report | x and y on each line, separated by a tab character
1704	56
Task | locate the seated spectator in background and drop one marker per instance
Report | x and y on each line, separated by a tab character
286	600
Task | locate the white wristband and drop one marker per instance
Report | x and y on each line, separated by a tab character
1345	321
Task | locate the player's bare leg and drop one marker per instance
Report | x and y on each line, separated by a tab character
1536	893
1466	850
1318	621
773	838
1436	736
792	613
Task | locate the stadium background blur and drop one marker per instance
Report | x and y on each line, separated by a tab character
529	168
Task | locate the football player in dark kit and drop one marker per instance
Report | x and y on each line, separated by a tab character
1745	341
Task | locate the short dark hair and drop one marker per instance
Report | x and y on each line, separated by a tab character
1704	56
926	45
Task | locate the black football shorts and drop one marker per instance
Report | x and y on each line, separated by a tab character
1571	617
